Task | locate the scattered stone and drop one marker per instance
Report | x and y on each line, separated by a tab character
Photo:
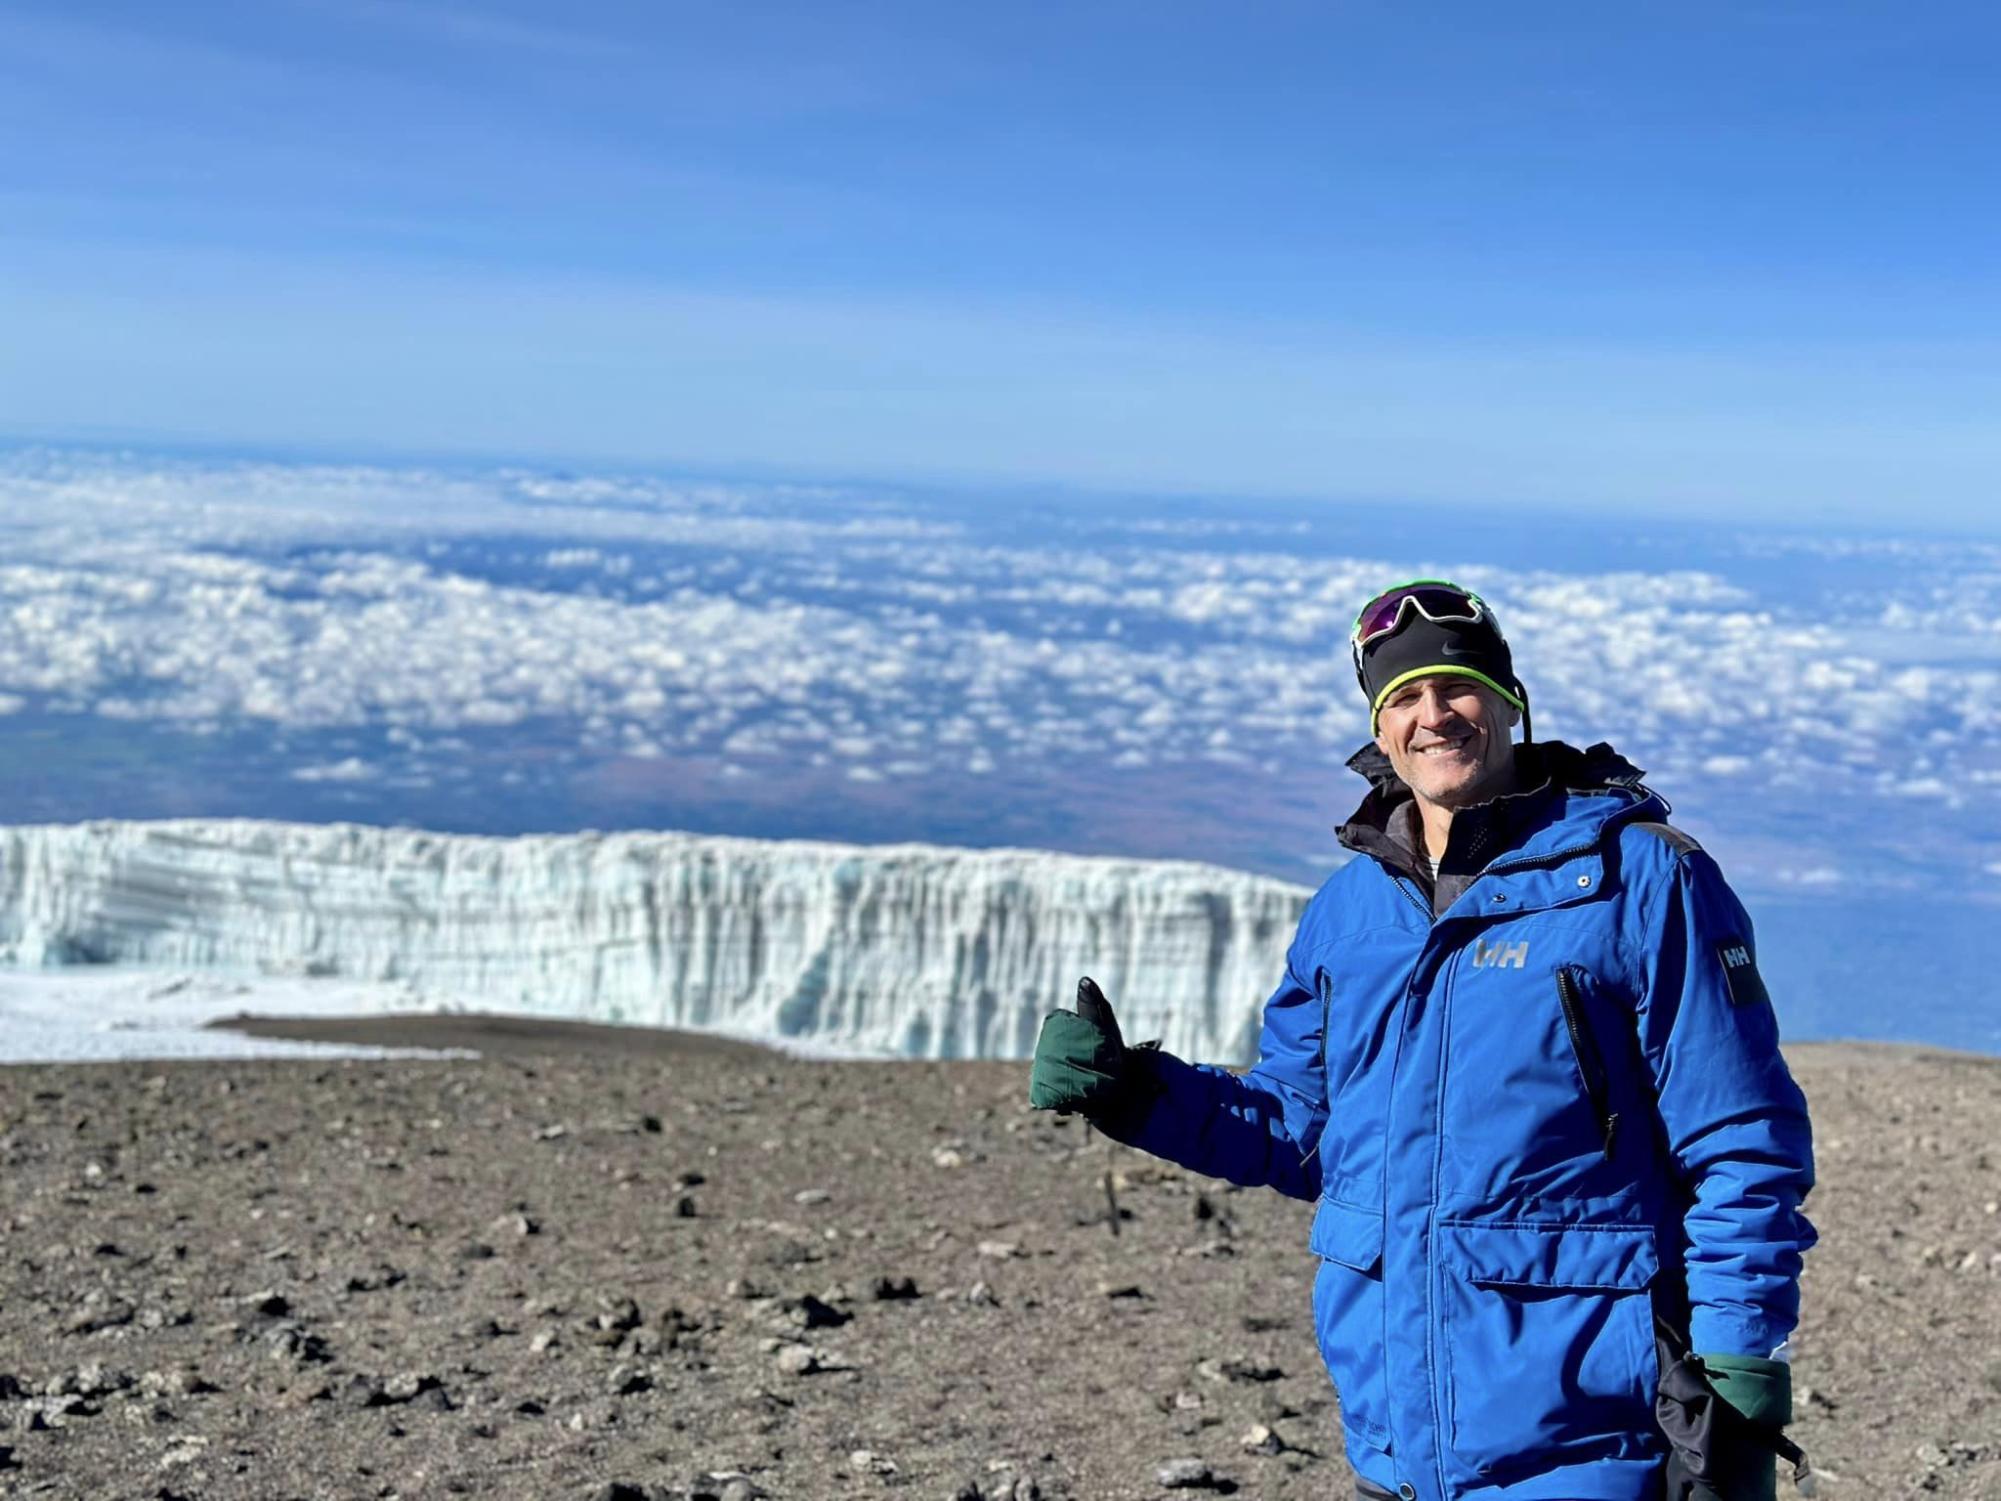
516	1224
812	1196
808	1312
1259	1438
1237	1370
684	1207
980	1293
798	1360
1188	1475
616	1316
999	1250
360	1391
408	1386
375	1280
746	1289
544	1340
893	1289
552	1133
1121	1290
98	1380
184	1381
300	1346
98	1312
868	1462
476	1250
621	1490
626	1381
185	1449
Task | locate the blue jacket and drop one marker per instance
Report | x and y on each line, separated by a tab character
1525	1122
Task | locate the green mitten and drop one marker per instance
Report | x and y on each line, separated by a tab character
1080	1058
1762	1391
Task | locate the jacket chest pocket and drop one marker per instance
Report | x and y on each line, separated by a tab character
1549	1348
1536	1088
1586	1053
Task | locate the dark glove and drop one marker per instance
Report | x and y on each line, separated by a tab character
1725	1415
1082	1064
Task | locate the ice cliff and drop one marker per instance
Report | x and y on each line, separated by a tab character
911	949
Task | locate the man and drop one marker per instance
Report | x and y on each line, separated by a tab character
1522	1061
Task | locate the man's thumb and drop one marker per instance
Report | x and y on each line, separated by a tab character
1093	1007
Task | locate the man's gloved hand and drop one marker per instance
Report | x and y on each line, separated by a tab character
1761	1390
1081	1060
1725	1417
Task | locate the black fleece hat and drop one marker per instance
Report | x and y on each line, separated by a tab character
1423	647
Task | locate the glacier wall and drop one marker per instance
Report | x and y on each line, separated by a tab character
909	949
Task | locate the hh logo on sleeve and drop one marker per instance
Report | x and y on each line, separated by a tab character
1740	974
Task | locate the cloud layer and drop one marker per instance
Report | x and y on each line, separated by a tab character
370	625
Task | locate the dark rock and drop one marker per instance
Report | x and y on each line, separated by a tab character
99	1313
626	1381
407	1386
360	1391
1191	1475
808	1312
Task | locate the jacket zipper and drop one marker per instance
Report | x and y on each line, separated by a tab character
1326	1087
1589	1064
1534	862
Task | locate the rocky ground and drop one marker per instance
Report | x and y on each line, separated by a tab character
634	1266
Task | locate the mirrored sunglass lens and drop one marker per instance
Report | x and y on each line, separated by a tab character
1439	604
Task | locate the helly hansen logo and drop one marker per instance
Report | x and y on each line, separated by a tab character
1741	980
1500	955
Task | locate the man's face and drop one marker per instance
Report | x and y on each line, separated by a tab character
1448	739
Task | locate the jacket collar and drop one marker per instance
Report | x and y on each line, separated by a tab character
1567	797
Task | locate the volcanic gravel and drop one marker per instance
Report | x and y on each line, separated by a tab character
628	1266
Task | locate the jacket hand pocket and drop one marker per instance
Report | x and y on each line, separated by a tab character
1549	1346
1348	1316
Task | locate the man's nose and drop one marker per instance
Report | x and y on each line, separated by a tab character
1433	708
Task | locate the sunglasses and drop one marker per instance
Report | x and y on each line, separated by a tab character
1434	599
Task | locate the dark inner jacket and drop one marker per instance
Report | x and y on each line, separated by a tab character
1388	826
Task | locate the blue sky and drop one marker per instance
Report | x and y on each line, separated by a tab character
1731	260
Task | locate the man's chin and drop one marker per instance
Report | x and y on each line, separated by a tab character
1460	791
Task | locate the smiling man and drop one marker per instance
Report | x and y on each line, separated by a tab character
1523	1064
